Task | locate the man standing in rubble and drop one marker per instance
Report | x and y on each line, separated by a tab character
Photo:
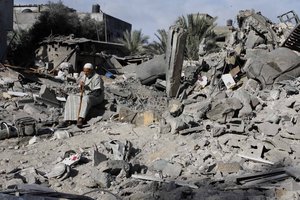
91	94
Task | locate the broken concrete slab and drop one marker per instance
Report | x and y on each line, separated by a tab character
166	168
175	107
294	130
276	156
245	98
268	128
224	109
177	124
151	178
253	40
279	143
149	71
13	183
252	148
114	167
48	96
218	130
279	64
197	110
102	179
98	158
251	86
119	150
38	113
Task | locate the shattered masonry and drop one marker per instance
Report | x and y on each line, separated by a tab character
225	126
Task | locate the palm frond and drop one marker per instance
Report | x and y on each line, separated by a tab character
134	41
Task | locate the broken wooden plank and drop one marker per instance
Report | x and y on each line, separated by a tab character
256	159
267	179
254	176
151	178
191	130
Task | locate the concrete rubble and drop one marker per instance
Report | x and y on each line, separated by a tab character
194	135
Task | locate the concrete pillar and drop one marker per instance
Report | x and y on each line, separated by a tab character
174	58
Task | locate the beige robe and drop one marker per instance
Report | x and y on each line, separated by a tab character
90	97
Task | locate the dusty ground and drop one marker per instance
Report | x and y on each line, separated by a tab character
43	155
207	165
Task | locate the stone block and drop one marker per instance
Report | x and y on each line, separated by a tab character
22	102
276	155
197	110
48	96
166	168
224	109
235	126
102	179
114	167
227	168
175	107
11	184
268	128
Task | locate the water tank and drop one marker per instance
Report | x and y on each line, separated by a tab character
27	10
96	8
229	22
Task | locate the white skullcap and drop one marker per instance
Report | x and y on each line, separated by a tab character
88	66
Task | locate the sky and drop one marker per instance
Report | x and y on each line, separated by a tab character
151	15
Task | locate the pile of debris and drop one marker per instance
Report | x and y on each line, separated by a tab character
225	126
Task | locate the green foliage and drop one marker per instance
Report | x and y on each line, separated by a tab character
58	19
20	48
160	47
135	42
91	29
198	27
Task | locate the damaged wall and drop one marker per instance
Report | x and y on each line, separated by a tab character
6	24
77	51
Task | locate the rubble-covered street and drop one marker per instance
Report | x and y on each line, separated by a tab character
224	127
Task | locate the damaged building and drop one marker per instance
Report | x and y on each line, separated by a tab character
225	126
26	15
76	51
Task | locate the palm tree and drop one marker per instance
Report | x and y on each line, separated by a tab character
198	28
158	48
135	42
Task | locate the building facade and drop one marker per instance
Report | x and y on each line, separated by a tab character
76	51
26	15
113	27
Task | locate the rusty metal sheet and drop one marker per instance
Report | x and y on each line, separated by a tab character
293	40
